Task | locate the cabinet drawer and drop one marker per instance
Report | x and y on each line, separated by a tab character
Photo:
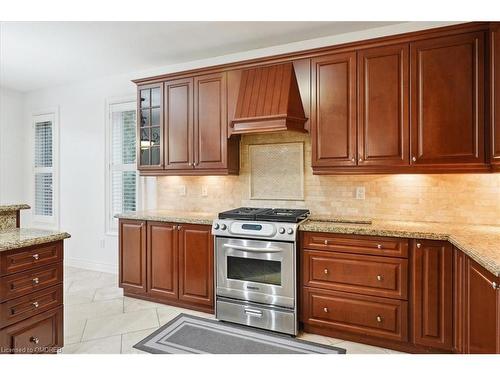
21	308
352	313
23	283
384	246
22	260
364	274
42	333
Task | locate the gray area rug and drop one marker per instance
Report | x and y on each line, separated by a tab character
188	334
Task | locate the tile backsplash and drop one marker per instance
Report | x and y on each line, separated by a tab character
460	198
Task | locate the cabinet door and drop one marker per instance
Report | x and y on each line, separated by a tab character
162	260
178	140
210	121
196	264
132	244
432	294
150	127
495	95
383	129
333	110
482	310
459	261
447	100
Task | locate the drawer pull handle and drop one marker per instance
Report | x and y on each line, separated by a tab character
35	305
325	309
34	339
419	245
36	280
379	246
326	271
252	312
326	242
379	277
379	319
36	256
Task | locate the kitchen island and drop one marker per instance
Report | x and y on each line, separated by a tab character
31	286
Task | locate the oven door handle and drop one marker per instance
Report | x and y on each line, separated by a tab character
254	249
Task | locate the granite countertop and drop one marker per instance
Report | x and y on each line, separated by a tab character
23	237
14	207
480	242
187	217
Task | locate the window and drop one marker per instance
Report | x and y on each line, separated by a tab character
122	179
44	170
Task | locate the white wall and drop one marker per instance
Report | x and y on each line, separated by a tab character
13	138
82	146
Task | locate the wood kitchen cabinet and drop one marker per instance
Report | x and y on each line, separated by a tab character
482	310
168	263
494	104
194	132
333	111
432	294
447	102
383	104
196	264
149	127
132	255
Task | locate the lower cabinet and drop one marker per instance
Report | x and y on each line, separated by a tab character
432	294
171	263
482	310
436	301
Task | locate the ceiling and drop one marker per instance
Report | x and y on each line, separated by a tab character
36	55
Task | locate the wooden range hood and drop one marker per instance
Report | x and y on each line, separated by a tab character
268	101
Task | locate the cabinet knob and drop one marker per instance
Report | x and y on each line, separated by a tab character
179	227
325	309
34	339
35	305
353	160
379	246
326	242
419	245
379	318
326	271
495	286
36	280
413	158
379	277
360	160
35	256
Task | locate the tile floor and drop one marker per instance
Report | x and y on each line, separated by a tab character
100	320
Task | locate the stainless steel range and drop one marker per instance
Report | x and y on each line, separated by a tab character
256	267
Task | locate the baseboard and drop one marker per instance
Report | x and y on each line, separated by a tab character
90	265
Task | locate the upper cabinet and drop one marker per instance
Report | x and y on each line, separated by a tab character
333	111
447	102
383	101
495	96
150	126
193	128
422	102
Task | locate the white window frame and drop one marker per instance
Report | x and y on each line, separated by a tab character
123	103
47	222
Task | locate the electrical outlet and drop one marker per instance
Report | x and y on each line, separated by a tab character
204	191
182	190
360	192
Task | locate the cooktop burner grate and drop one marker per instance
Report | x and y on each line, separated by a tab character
266	214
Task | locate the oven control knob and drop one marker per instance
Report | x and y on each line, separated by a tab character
223	226
290	231
216	226
281	230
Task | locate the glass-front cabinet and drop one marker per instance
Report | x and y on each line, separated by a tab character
150	126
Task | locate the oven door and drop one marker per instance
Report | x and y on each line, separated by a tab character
256	270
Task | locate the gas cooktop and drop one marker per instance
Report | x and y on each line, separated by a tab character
266	214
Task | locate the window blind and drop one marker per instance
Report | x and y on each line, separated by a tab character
123	175
43	169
